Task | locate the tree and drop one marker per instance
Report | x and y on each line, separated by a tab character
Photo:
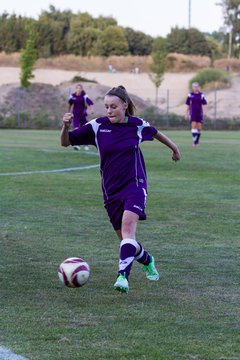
27	59
102	22
52	28
138	42
231	12
187	41
111	41
197	43
216	35
12	32
81	21
82	43
216	48
159	64
82	34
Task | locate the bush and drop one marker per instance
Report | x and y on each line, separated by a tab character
79	79
232	64
222	124
24	120
210	75
9	122
163	120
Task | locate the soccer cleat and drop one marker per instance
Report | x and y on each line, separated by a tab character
77	148
121	284
150	270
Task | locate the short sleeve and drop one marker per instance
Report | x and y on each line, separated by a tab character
83	135
203	100
188	100
70	100
89	101
148	132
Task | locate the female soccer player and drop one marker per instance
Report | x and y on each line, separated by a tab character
195	111
78	103
124	182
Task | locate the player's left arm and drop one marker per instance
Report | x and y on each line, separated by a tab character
89	104
204	105
169	143
204	109
90	109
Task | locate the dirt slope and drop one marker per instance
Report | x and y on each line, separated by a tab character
172	92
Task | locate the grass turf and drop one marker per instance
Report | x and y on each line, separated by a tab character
192	230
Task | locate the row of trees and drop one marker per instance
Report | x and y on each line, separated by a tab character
231	12
63	32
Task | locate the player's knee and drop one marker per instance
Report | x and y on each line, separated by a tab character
128	226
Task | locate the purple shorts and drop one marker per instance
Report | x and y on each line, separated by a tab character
133	200
79	120
196	117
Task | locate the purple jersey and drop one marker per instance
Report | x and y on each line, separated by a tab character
195	102
80	103
121	161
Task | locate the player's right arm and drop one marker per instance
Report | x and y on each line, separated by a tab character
169	143
187	103
187	113
70	104
67	119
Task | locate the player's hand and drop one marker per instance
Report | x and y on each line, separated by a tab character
176	156
91	110
67	119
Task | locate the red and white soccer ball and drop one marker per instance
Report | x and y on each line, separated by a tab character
74	272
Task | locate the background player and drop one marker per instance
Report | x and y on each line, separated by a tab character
78	104
195	111
124	182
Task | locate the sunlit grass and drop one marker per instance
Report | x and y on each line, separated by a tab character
192	230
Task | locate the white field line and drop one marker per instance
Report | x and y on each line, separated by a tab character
6	354
49	171
84	152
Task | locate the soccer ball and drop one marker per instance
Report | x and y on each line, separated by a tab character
74	272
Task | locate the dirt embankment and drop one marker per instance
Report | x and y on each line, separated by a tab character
49	100
138	84
176	63
171	95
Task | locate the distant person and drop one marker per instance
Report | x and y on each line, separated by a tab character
118	136
228	68
110	68
78	104
136	70
195	111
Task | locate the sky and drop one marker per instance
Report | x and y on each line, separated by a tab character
153	17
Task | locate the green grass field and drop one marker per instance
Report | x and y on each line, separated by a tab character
192	230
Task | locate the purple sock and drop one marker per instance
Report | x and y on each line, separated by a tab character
143	257
128	249
198	136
